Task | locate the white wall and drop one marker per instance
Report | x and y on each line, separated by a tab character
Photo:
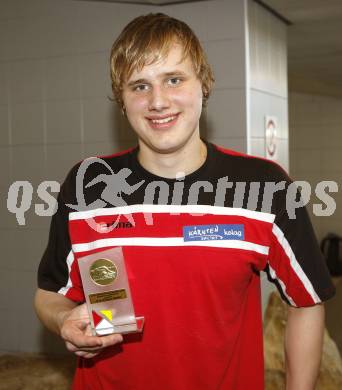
225	46
315	150
267	80
54	111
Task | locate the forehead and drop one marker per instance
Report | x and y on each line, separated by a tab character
173	61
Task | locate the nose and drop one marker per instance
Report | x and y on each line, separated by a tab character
159	99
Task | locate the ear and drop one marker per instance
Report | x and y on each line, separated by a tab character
205	93
205	96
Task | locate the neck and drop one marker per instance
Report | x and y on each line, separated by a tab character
169	165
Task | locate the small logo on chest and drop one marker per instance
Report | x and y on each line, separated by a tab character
104	227
214	232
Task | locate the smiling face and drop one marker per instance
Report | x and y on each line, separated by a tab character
163	103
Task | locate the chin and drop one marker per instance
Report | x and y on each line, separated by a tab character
165	149
169	143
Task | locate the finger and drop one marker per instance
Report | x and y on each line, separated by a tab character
88	331
79	340
84	343
82	351
86	355
111	339
83	324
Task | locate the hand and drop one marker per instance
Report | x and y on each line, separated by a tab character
75	330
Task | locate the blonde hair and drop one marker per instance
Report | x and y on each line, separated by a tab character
148	39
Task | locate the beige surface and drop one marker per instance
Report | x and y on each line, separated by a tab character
35	372
334	314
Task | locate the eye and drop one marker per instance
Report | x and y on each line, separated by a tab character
174	81
140	87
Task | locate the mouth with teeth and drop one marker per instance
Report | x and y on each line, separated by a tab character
163	122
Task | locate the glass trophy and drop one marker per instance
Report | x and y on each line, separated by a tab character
107	293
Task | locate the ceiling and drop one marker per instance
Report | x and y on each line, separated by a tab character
314	44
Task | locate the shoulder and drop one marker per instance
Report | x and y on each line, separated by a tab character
255	168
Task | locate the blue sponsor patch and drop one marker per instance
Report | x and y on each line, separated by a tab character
213	232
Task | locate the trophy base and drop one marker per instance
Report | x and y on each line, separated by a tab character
132	327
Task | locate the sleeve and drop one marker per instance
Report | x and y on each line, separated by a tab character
57	270
295	263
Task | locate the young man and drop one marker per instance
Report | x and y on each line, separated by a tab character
193	249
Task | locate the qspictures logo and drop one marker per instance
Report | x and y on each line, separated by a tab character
115	186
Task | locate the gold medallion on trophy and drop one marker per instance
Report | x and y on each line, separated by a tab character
103	272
